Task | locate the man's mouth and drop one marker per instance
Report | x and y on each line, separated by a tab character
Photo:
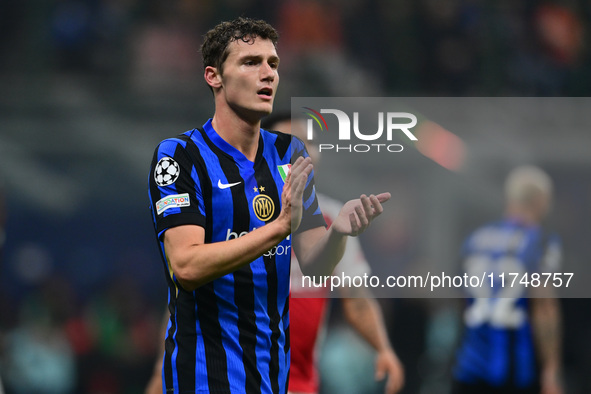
265	93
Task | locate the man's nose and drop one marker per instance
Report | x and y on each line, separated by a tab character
267	72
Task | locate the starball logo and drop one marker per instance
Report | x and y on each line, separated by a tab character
389	125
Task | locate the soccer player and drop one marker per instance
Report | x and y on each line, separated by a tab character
512	343
225	216
307	306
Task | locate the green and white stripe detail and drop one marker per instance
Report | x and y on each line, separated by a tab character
283	170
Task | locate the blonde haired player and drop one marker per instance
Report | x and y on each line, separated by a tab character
512	338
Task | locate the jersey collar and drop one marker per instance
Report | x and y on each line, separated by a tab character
238	156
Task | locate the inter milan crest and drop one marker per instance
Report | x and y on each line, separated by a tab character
263	206
167	171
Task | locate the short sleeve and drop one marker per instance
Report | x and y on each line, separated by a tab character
174	187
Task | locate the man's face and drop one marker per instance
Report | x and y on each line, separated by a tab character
250	77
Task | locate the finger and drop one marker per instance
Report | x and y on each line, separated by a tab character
295	167
363	218
287	195
354	225
366	203
398	379
299	186
394	383
308	169
392	386
300	172
304	167
383	197
380	372
299	164
377	206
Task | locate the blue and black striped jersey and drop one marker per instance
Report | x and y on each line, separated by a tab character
230	335
498	347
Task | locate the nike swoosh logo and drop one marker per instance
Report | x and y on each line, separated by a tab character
226	185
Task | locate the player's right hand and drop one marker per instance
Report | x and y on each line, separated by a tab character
293	192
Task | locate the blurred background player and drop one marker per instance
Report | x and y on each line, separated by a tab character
308	305
512	338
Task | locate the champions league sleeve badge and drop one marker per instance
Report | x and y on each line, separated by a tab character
167	171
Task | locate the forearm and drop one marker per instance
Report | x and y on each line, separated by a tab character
365	317
197	263
319	250
154	385
547	333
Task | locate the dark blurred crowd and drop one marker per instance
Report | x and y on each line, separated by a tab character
74	319
427	47
54	344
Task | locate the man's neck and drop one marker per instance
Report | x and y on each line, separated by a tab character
239	133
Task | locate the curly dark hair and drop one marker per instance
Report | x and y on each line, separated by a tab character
214	50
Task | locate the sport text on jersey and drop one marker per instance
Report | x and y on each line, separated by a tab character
277	250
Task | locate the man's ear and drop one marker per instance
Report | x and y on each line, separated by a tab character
213	77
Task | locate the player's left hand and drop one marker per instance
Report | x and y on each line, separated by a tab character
552	388
356	215
388	363
550	383
154	385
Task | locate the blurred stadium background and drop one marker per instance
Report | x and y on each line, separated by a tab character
89	87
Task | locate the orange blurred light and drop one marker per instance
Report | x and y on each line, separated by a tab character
440	145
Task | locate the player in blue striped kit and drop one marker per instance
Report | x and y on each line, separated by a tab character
224	214
512	339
